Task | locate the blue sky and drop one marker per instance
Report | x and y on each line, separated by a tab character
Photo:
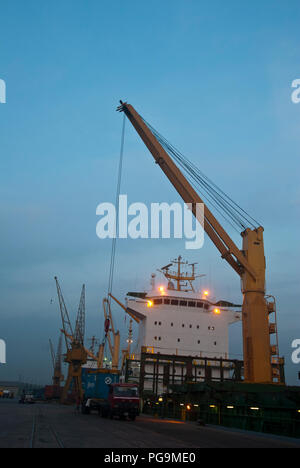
213	77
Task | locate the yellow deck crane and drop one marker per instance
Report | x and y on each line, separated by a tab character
261	360
56	361
76	355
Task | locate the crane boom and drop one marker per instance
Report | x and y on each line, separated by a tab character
58	356
64	314
56	361
212	227
80	320
249	262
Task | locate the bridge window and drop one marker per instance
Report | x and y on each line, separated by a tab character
157	301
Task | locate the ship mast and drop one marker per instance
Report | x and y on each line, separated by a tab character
180	277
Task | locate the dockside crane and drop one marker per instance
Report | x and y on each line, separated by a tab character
261	359
52	353
57	361
76	355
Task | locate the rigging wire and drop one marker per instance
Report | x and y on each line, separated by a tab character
228	208
113	248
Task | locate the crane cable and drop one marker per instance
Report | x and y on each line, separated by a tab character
113	248
234	211
229	210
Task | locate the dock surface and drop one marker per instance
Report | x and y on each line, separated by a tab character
53	426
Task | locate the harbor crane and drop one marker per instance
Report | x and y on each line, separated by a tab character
261	359
76	355
56	361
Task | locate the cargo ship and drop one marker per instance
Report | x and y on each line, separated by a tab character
176	319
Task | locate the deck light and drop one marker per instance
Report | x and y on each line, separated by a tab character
217	311
254	408
149	303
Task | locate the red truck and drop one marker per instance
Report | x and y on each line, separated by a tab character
123	401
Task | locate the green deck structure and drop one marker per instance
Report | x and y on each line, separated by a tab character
256	407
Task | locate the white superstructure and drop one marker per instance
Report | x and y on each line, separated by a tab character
176	319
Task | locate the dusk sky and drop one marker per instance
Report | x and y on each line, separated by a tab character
215	78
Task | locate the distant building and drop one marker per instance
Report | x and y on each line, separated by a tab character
14	389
